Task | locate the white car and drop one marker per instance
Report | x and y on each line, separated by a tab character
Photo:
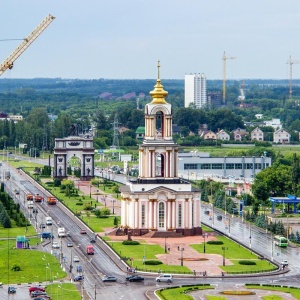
75	259
55	245
284	263
164	278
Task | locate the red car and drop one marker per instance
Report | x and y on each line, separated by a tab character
83	231
36	288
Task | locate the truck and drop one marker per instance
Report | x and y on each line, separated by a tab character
51	200
38	198
29	197
47	235
90	250
48	221
61	232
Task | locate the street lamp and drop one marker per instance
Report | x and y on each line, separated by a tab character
224	249
105	200
90	191
113	202
204	236
181	249
165	244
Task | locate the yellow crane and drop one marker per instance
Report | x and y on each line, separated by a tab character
291	62
224	58
8	63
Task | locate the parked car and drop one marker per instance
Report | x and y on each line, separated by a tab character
78	278
164	278
79	269
36	288
75	259
135	278
83	231
38	293
69	244
109	279
42	298
11	290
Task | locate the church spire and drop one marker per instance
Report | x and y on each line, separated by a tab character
158	94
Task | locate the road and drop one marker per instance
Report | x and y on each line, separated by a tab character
106	262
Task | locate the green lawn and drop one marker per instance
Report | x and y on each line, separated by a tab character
149	251
66	291
294	291
235	252
181	293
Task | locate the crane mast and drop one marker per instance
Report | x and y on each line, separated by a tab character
224	58
291	62
8	63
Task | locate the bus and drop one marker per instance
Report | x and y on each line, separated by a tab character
280	241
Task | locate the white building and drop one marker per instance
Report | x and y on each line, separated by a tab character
275	123
281	136
158	200
195	90
223	135
257	134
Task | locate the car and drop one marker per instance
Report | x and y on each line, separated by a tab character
42	298
55	245
36	288
75	259
11	290
284	263
69	244
35	210
164	278
135	278
42	225
79	269
78	278
83	231
92	240
38	293
109	279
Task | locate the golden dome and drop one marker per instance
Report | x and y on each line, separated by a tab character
158	94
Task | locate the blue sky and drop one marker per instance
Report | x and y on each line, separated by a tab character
124	39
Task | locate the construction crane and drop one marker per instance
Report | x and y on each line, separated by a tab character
8	63
291	62
224	74
241	97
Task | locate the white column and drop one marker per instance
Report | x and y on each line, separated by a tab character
132	215
173	214
150	205
136	214
155	215
190	213
169	224
183	214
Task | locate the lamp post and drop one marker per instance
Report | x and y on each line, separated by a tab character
113	202
165	244
90	191
204	236
224	249
105	200
181	259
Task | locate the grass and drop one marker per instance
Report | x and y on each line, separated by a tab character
66	291
235	252
211	297
272	297
149	251
180	293
295	292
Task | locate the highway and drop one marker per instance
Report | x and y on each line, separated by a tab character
106	262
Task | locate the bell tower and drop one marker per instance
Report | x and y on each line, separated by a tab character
158	154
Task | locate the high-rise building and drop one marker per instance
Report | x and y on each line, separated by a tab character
195	90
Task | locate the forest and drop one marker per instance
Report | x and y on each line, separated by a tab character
79	102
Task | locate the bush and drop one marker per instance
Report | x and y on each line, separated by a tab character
16	268
79	203
215	242
247	262
130	243
153	262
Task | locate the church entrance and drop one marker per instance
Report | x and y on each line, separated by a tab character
161	216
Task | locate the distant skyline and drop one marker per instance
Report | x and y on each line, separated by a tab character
124	39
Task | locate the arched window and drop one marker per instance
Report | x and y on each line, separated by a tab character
159	165
179	215
161	215
159	128
143	215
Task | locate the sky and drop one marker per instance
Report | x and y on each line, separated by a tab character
124	39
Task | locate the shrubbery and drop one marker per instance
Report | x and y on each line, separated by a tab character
247	262
153	262
215	242
130	243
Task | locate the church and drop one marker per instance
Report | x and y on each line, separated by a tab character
158	200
